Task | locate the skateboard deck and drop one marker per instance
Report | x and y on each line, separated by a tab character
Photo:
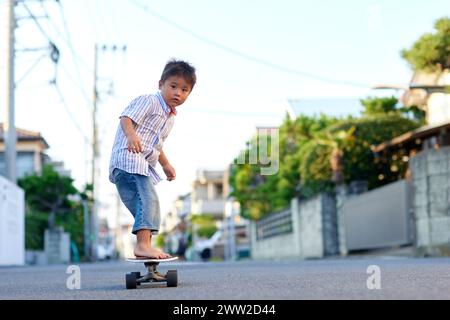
135	279
147	260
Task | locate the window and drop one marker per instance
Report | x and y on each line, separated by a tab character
219	190
25	164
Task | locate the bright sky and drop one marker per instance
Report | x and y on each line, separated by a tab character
251	57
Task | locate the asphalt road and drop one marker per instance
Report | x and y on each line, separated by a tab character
399	278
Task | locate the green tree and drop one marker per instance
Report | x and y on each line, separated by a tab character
322	161
205	225
374	106
431	52
359	162
379	106
48	204
161	240
318	152
258	194
48	192
35	225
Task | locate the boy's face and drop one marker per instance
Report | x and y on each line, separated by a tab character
175	91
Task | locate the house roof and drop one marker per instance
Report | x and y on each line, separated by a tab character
209	175
424	83
24	135
419	133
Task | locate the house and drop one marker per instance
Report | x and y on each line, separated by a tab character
182	206
207	196
31	147
211	195
429	91
174	225
179	212
30	159
428	150
236	228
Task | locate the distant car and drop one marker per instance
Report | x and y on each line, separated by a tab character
105	248
204	247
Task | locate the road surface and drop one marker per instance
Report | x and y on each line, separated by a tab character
361	278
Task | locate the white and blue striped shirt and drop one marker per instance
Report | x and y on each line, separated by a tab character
152	121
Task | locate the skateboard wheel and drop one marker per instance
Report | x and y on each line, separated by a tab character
172	278
138	275
130	280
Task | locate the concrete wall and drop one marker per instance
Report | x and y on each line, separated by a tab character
278	247
329	225
431	182
57	246
36	257
314	232
341	197
12	224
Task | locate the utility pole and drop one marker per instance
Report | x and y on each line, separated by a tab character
118	233
86	230
95	148
94	161
10	135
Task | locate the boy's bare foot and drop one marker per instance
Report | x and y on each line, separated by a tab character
150	252
144	247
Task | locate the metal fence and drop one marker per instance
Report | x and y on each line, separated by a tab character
274	225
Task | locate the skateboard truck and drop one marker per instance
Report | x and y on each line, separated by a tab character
135	279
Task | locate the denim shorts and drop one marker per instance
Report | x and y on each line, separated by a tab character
138	194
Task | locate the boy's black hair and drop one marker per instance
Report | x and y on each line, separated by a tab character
179	68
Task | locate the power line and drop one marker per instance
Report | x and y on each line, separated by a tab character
54	56
37	22
69	113
67	39
55	59
30	69
70	44
246	56
75	56
78	85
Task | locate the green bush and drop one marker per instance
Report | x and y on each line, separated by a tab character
306	146
160	240
205	225
48	204
315	169
35	225
73	224
360	163
259	195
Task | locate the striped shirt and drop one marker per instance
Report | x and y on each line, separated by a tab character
152	121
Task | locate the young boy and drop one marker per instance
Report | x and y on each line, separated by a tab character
144	126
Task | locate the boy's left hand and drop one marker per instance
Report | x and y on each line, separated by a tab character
170	172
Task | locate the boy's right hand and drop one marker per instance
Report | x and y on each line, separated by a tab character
134	143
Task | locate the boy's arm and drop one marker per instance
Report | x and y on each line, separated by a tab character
133	142
163	161
167	167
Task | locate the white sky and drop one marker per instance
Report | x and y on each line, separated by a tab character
251	57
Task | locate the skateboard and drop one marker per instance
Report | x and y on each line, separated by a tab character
134	279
